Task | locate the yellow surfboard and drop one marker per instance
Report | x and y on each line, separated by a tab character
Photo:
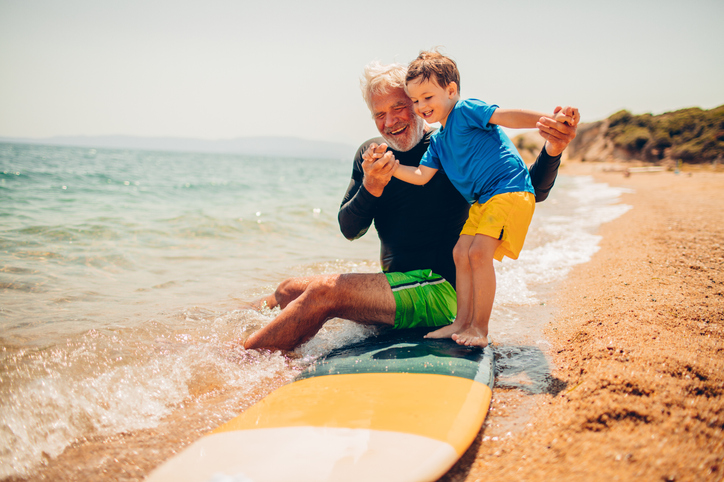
396	407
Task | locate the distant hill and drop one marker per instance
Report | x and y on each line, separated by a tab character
258	146
690	135
529	145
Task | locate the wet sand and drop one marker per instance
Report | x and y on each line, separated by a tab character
637	388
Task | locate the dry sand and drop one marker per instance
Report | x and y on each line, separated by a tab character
637	391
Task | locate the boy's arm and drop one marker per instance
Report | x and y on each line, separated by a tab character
414	175
516	118
527	119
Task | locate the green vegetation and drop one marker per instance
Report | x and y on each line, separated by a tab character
692	135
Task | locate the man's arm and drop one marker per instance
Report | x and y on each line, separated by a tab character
378	166
558	135
543	174
357	210
362	197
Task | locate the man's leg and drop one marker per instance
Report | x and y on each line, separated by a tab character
360	297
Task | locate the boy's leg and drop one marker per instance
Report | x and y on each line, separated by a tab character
481	255
364	298
464	289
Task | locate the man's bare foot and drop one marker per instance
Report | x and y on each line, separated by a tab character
471	337
259	304
447	331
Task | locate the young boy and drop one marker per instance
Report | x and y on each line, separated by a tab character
485	167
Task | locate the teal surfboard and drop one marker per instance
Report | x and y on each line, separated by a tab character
395	407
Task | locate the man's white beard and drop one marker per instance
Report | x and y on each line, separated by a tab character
411	138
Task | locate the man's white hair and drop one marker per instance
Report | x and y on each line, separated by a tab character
380	79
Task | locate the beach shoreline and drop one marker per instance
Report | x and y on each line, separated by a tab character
637	388
636	357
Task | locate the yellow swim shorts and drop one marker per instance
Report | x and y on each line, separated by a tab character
505	217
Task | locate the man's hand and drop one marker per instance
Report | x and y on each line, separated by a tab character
560	130
378	166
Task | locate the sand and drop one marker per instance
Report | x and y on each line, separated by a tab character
637	387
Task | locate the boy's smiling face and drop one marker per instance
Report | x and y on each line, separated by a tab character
431	101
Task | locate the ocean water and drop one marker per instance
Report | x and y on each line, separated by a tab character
122	280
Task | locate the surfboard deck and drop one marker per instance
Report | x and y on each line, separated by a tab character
394	407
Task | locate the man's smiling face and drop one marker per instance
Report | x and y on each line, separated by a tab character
396	121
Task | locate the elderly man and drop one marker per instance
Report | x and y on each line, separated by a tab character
418	227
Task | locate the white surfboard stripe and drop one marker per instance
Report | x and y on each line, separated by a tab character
310	454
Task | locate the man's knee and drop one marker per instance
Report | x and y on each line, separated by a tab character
322	288
317	288
289	290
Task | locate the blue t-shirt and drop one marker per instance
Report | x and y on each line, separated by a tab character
478	157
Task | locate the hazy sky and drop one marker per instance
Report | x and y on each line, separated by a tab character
223	69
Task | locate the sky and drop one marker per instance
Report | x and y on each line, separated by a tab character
218	69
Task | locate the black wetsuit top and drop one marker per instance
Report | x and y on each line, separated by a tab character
418	226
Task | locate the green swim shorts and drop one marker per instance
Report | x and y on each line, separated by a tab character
423	298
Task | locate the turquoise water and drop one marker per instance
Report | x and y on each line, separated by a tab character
122	277
83	230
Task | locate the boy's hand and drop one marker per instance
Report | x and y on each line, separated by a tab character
378	166
567	115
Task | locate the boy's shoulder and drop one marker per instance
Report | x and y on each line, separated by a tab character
472	104
471	114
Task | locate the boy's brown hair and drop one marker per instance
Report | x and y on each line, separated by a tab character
432	64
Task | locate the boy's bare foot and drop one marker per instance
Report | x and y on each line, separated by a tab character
472	337
447	331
